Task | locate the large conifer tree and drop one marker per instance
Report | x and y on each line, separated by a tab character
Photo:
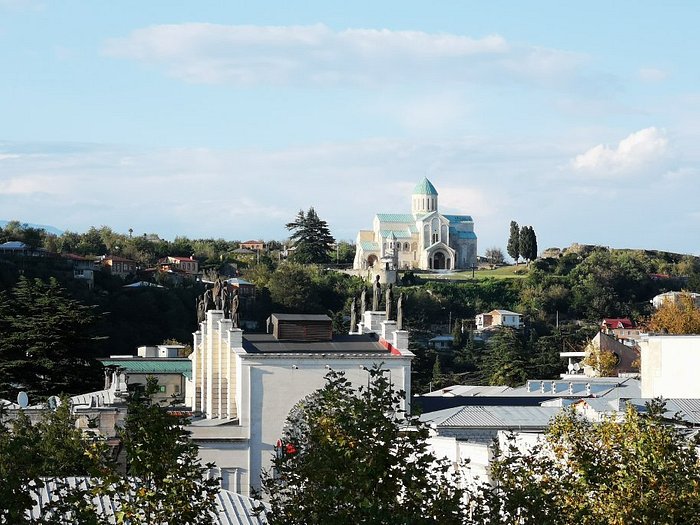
312	238
46	342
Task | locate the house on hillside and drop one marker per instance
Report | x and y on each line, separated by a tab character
496	318
19	248
83	268
253	245
188	265
621	329
118	266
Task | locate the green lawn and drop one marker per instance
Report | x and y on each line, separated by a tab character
504	272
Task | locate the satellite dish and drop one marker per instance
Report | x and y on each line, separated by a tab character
53	402
23	400
571	367
577	367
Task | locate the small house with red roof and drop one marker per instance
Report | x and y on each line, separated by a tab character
253	245
189	265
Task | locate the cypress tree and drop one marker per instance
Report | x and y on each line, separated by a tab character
513	247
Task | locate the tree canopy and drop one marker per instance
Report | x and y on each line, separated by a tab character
635	471
352	456
46	341
677	317
528	243
312	238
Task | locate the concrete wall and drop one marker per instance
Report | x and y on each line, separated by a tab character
670	366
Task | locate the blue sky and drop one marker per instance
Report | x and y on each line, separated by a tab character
223	119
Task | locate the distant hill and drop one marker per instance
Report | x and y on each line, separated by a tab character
48	229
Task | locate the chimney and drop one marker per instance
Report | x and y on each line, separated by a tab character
542	387
588	389
554	387
571	388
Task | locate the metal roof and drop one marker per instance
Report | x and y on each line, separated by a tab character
399	234
301	317
369	246
395	217
492	417
153	365
425	187
458	218
231	508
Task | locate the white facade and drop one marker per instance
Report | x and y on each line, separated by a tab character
423	239
674	297
245	389
670	365
498	318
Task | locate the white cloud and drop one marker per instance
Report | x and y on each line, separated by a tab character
640	150
652	74
250	55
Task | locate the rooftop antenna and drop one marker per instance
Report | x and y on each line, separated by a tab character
23	400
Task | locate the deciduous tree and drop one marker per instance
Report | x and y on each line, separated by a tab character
348	456
677	317
638	470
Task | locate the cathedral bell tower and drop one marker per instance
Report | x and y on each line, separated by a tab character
424	199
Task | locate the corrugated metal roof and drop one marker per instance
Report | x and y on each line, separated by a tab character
151	365
231	508
492	417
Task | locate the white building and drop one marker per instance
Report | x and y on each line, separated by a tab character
423	239
669	366
674	297
498	318
244	385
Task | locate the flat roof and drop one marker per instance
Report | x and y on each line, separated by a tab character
340	344
301	317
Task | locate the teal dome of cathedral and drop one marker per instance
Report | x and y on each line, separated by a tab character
425	187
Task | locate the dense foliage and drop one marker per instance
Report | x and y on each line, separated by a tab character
46	341
164	483
677	317
638	470
347	457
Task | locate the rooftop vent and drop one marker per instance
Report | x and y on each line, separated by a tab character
302	327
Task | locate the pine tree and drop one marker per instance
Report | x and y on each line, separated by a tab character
46	342
513	247
312	238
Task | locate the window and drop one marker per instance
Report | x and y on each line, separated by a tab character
161	389
176	389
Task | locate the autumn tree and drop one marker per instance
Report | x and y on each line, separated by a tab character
494	256
351	455
639	470
679	316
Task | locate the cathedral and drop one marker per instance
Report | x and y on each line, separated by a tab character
424	239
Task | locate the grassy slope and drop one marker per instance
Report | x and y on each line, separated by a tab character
504	272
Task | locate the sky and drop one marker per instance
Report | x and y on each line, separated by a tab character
224	119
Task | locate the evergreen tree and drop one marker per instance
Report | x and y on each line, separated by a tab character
346	458
528	243
312	239
505	361
46	345
513	247
437	373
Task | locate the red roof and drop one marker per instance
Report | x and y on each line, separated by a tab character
618	323
74	257
116	258
253	242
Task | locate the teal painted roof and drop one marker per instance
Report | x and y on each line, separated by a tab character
395	217
466	235
459	218
399	234
151	365
425	187
369	246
